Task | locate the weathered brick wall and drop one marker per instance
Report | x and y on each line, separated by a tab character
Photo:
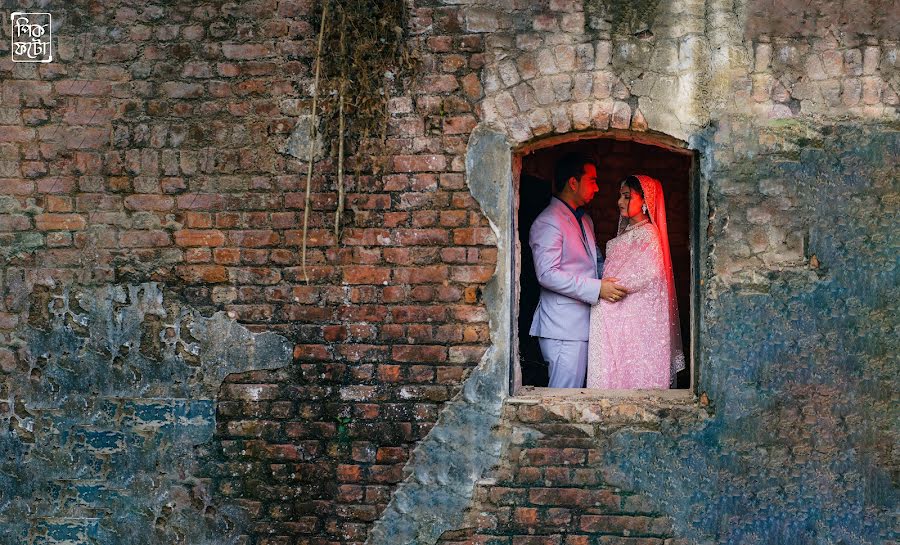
555	486
151	150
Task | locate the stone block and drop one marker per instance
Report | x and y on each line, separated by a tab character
481	20
546	61
602	54
601	113
602	86
621	116
543	90
525	97
565	57
509	75
562	87
581	115
559	117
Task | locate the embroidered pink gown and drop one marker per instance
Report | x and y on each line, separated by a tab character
635	343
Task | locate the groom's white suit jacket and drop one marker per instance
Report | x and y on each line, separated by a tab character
565	262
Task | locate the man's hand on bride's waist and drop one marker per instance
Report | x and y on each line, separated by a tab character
611	291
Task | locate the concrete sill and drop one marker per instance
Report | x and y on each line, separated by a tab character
604	407
527	393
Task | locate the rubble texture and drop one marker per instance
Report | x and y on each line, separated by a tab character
169	377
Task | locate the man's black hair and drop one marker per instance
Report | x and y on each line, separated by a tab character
570	165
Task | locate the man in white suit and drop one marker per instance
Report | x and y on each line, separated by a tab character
565	261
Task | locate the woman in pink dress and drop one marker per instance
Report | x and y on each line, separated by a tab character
635	343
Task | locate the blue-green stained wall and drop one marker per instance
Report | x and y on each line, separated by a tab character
800	364
109	436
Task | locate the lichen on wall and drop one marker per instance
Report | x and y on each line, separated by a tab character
109	415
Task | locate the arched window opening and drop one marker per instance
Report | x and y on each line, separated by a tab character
616	156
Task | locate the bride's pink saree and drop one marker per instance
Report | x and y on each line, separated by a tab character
636	343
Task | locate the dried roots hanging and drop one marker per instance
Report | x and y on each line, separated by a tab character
368	58
312	139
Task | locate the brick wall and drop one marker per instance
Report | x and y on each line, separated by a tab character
555	485
149	150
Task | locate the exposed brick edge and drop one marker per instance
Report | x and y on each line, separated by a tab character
445	467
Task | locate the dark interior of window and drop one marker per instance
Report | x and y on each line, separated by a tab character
615	159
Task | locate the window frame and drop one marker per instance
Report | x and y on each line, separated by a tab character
695	231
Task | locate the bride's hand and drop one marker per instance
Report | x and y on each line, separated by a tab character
611	291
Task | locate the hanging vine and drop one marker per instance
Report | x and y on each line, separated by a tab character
363	56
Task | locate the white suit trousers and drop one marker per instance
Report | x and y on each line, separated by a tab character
568	361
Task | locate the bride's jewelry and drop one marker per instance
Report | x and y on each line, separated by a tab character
631	226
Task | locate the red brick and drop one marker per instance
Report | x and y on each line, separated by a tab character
419	163
197	255
57	184
13	186
620	524
474	236
419	353
365	201
148	202
253	238
366	275
15	133
389	373
462	124
421	275
466	354
363	352
83	87
200	201
407	314
254	275
444	83
615	540
59	222
196	274
471	86
144	239
196	237
227	256
575	497
197	220
416	237
15	223
386	473
314	237
246	51
554	456
526	516
537	540
471	274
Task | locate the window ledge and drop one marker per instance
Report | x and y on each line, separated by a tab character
616	408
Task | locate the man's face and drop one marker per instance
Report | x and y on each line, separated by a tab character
586	187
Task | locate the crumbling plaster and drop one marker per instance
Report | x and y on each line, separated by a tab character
107	438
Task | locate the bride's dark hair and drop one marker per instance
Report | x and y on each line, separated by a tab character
632	183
